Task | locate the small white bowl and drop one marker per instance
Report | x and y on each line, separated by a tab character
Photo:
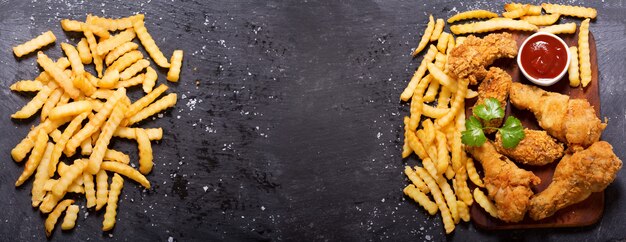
543	81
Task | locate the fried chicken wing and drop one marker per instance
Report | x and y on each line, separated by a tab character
575	178
507	184
470	59
536	149
495	85
572	121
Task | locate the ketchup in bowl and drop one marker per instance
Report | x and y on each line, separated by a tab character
544	58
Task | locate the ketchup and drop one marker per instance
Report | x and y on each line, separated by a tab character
543	56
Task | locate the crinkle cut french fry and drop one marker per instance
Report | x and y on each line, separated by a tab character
461	188
463	211
125	61
60	188
114	155
450	198
419	73
99	149
149	44
69	221
584	58
425	38
58	75
492	25
26	86
52	100
432	90
416	104
55	135
439	24
111	43
175	64
111	211
54	215
421	199
574	77
110	79
434	112
472	173
542	20
21	149
406	148
34	44
457	104
416	180
456	151
35	157
114	24
93	45
129	133
532	10
568	28
442	153
50	200
102	189
70	109
94	123
119	51
59	146
33	105
442	42
516	13
448	223
133	69
575	11
74	58
473	14
90	192
81	82
451	45
134	81
41	176
158	106
72	25
126	171
485	203
102	93
149	80
145	101
83	51
145	151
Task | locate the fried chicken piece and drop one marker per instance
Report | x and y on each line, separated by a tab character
507	184
495	85
536	149
575	178
470	59
572	121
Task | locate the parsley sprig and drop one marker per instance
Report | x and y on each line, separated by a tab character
512	131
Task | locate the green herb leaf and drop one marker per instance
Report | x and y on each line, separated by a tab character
473	135
489	110
512	132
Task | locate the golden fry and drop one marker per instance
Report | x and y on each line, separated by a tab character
472	173
35	157
430	166
26	86
33	105
149	80
41	176
416	180
69	221
575	11
421	199
419	73
574	77
492	25
110	79
431	92
416	104
90	192
175	65
114	155
60	145
111	211
93	45
54	215
439	24
158	106
111	43
448	223
34	44
434	112
568	28
133	69
149	44
542	20
119	51
129	133
125	61
473	14
458	104
448	194
84	52
102	189
584	57
74	58
406	148
442	153
425	38
60	188
81	82
20	150
58	75
463	211
516	13
126	171
114	24
70	109
145	151
460	187
416	145
485	203
532	10
99	149
442	42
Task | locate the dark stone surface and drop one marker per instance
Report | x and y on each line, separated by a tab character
290	125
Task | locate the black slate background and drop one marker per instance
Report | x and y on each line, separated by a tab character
289	127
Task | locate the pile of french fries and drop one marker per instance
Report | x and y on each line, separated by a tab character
437	141
92	111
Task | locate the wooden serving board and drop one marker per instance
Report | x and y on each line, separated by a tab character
584	213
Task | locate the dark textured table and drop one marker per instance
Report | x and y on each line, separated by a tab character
288	124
